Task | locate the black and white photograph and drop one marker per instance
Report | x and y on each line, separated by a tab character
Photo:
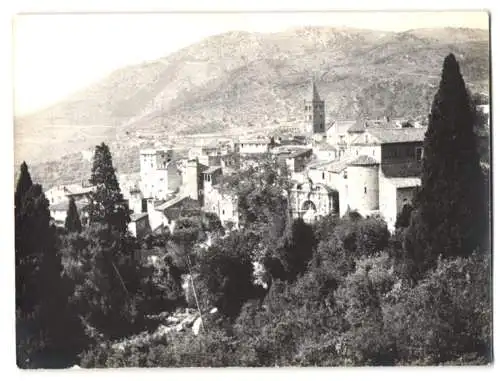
252	189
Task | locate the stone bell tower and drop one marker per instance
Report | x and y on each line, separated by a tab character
314	111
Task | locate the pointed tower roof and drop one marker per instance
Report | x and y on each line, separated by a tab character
314	91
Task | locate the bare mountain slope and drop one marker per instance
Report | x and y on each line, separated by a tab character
241	80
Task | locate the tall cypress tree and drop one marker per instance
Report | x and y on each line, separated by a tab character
40	298
451	217
24	183
72	223
107	302
107	203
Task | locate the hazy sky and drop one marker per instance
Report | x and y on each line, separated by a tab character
55	55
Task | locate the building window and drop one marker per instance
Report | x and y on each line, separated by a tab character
323	175
366	138
419	153
365	190
223	212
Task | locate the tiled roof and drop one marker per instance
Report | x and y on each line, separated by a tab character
342	126
256	140
318	164
397	135
325	146
137	216
291	152
363	160
336	166
169	203
75	189
362	125
411	169
358	126
212	169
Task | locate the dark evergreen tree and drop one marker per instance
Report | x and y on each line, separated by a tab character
106	281
107	277
41	299
225	273
296	248
24	183
451	211
73	223
107	204
403	218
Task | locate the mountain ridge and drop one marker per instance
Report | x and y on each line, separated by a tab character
248	80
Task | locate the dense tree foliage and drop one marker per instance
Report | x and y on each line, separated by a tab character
106	280
226	273
404	217
106	202
274	291
451	213
23	185
43	318
72	222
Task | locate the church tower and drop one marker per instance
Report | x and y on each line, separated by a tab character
314	111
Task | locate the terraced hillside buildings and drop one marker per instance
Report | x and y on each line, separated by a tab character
368	166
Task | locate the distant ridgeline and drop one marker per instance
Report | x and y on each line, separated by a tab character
257	81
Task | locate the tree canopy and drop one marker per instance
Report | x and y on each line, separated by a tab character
451	216
106	202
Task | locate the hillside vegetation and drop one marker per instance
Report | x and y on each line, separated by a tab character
243	81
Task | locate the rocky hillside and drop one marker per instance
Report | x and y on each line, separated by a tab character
242	81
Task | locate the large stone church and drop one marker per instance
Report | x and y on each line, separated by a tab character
376	174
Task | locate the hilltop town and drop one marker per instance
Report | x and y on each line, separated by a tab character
334	166
316	241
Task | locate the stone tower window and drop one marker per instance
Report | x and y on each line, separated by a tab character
419	153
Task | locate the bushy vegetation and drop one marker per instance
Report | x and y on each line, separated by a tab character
342	291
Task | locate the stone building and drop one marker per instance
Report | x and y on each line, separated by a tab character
380	174
294	157
60	196
59	211
314	112
139	225
254	145
193	180
216	200
310	200
160	176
